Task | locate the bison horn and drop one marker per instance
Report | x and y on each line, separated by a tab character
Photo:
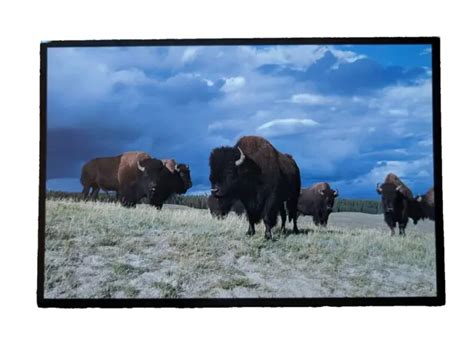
141	168
336	193
241	159
419	198
398	188
321	192
176	168
379	189
214	190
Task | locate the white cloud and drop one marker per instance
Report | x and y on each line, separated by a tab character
344	56
311	99
403	169
226	125
397	112
297	57
233	84
189	54
426	51
287	126
426	143
130	77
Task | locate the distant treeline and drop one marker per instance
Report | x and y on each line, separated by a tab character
200	201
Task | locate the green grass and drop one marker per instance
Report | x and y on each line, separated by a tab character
102	250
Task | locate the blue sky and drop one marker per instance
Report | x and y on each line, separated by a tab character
348	114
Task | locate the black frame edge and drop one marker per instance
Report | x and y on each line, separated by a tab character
437	164
42	177
240	41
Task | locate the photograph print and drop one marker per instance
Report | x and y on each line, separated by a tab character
240	173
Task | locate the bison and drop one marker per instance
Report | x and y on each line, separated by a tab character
427	204
253	172
135	175
317	201
174	179
138	176
396	201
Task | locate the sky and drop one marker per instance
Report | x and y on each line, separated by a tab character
349	114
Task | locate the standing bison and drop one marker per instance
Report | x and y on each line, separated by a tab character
396	201
253	172
173	179
135	175
317	201
427	203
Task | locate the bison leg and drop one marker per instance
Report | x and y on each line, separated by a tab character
85	191
391	224
316	218
401	228
95	192
283	217
252	217
128	203
251	230
270	213
293	213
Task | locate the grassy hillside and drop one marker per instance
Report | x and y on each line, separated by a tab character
102	250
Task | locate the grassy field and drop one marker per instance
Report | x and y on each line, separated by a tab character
102	250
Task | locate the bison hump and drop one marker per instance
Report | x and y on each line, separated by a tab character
261	151
128	170
391	178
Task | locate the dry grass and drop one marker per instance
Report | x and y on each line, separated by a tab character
102	250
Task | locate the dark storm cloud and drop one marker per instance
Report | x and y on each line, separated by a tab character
69	148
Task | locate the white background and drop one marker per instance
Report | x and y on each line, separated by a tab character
370	330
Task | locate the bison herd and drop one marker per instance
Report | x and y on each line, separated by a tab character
251	177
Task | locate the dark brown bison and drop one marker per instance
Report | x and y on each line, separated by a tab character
138	176
135	175
396	201
427	203
173	179
252	172
317	201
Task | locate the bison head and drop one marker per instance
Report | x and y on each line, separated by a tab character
328	198
391	194
185	176
224	163
150	174
415	209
